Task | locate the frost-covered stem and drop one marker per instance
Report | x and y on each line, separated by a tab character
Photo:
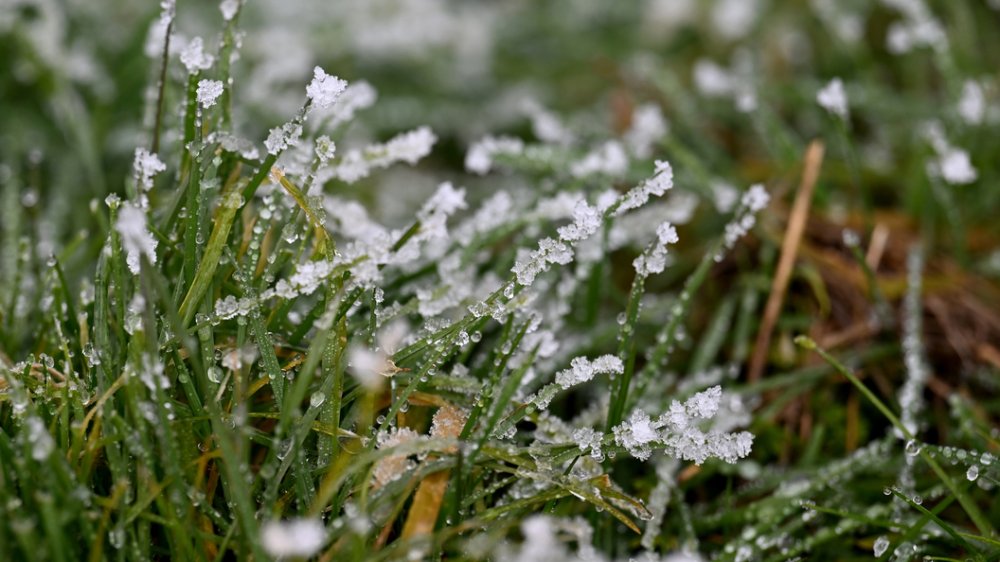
667	337
854	169
333	365
271	159
970	507
415	381
225	54
487	387
626	352
911	400
161	85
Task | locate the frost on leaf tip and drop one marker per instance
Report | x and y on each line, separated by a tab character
208	92
293	538
324	89
146	165
135	237
833	98
194	58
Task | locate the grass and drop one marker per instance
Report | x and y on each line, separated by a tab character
269	354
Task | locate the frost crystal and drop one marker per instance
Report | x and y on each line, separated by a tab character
41	442
648	127
677	432
146	165
229	9
293	538
635	434
953	164
208	92
654	260
435	212
325	148
392	467
956	167
479	158
711	79
833	98
972	105
752	202
662	180
324	89
136	239
586	438
549	251
194	58
407	147
586	222
582	370
280	138
881	545
608	159
358	95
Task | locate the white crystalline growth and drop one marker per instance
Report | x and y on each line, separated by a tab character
407	147
582	370
956	167
391	467
661	181
648	126
194	58
136	239
972	104
586	222
654	260
833	98
229	9
752	202
280	138
677	432
549	251
325	149
324	89
208	92
608	159
636	434
358	95
293	538
41	442
711	79
494	212
479	158
434	214
588	439
146	165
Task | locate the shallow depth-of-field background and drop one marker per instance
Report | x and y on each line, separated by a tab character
499	280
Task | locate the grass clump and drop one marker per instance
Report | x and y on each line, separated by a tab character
541	332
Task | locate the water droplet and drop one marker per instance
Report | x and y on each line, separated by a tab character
880	546
973	473
912	448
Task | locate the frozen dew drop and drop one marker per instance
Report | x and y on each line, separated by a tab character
881	545
973	473
317	399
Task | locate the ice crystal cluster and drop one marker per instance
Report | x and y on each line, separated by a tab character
677	431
